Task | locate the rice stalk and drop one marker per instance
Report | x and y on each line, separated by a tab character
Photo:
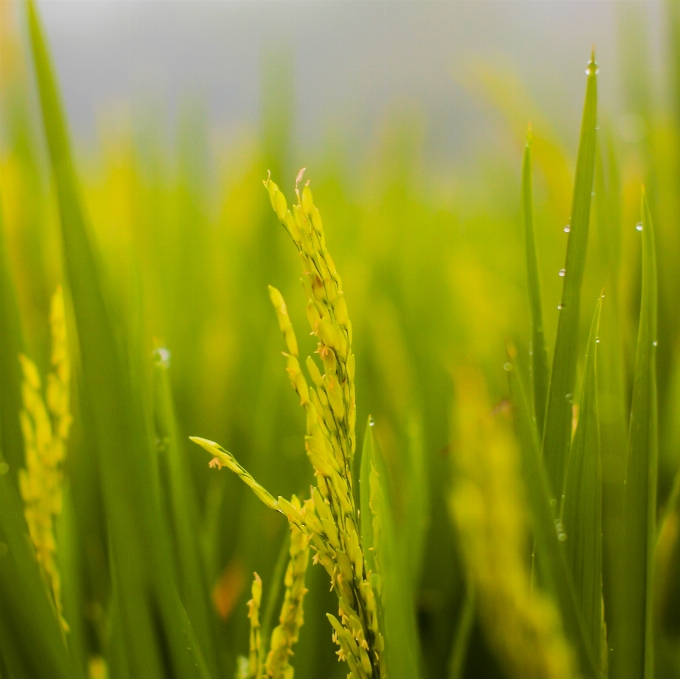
45	424
255	648
330	516
291	619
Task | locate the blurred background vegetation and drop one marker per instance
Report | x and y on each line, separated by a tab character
431	253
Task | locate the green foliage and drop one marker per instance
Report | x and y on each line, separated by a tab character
557	431
581	511
540	370
158	639
634	637
381	542
426	534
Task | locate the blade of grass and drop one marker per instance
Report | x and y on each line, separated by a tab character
633	654
367	534
11	441
31	641
158	640
418	503
557	434
550	549
540	366
183	512
273	597
582	502
612	408
70	566
464	629
381	550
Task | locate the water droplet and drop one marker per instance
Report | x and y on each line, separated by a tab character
507	367
561	537
161	356
592	193
638	226
567	228
371	422
4	467
563	496
597	340
568	397
553	502
563	272
655	343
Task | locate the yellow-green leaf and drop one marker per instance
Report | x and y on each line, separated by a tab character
557	432
582	502
632	641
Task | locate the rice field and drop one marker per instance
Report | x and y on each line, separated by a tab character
465	464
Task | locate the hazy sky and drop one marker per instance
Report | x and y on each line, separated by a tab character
352	59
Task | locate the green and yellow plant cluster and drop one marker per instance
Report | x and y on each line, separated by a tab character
510	510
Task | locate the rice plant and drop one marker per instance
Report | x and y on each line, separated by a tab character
509	510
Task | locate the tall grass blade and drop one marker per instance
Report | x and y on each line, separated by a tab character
612	406
582	502
72	581
557	434
183	512
31	641
273	593
381	547
540	366
11	441
461	639
418	503
633	654
152	620
368	538
550	548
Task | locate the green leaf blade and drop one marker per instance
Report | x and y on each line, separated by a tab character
550	550
382	554
557	434
11	441
612	397
183	514
157	636
461	639
633	654
31	643
418	500
540	366
582	502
